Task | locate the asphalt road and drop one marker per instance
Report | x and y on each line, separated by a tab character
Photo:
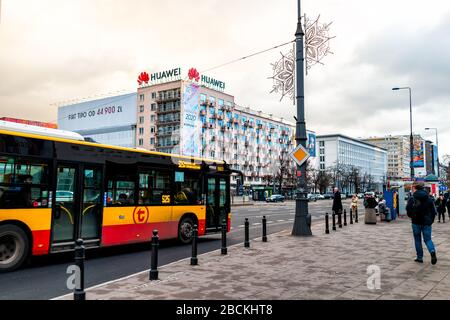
46	277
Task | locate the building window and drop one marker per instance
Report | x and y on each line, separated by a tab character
141	108
152	141
322	143
141	131
141	97
212	154
141	120
152	118
153	107
153	95
141	142
152	129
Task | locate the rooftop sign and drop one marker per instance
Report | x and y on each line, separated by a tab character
145	79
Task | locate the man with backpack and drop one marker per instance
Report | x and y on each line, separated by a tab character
421	210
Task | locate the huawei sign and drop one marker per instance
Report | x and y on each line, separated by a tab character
193	74
143	78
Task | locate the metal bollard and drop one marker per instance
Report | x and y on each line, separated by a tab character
345	217
224	237
79	293
327	223
247	232
351	216
154	262
194	259
356	215
334	221
264	229
340	219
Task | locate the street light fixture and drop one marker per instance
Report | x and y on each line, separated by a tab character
437	146
411	139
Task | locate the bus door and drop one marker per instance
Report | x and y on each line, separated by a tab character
217	201
78	205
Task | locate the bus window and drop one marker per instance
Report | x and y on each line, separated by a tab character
153	185
187	188
120	187
23	184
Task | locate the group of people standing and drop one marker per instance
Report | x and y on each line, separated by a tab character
422	208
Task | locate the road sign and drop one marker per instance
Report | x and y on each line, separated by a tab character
299	155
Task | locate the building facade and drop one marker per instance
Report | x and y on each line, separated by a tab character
339	151
398	155
109	120
251	141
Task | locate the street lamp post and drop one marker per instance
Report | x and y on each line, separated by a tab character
437	146
302	222
411	139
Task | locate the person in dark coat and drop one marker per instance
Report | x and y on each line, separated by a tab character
421	210
447	203
440	207
337	201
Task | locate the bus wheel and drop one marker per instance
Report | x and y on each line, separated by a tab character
14	247
185	230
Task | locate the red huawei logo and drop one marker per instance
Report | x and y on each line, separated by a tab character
143	78
193	74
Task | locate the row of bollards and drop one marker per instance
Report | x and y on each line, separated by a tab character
79	293
339	222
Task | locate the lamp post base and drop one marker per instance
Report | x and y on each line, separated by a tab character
302	222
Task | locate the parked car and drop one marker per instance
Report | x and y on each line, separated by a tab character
275	198
360	195
320	196
328	196
312	197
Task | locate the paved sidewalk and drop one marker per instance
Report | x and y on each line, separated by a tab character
320	267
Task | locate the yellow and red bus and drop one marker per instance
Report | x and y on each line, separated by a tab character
55	189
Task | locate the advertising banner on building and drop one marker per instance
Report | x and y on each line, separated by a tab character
190	132
435	160
418	154
311	144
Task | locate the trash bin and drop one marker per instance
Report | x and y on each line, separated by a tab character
370	216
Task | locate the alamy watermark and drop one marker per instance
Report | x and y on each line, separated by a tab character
74	280
374	279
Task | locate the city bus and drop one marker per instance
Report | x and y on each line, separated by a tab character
56	187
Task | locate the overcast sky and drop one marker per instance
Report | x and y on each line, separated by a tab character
60	50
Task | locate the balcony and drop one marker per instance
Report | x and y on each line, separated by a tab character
205	125
167	97
220	116
203	112
167	110
170	121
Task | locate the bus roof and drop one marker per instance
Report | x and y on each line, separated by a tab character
23	130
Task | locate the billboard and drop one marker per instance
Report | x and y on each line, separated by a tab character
418	154
435	160
190	126
102	113
311	143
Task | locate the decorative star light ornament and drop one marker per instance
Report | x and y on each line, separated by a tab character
317	46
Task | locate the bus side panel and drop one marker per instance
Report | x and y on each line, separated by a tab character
38	221
123	225
199	211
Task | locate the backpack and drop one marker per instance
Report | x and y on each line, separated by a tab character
416	208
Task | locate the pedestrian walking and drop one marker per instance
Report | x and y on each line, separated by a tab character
354	202
337	201
421	210
440	207
447	203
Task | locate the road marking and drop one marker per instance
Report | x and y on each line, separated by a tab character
270	221
280	220
291	219
257	224
241	226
